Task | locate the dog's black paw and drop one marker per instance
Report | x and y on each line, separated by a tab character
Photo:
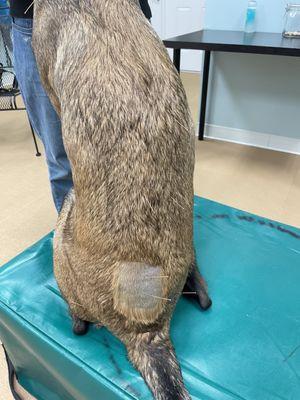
80	327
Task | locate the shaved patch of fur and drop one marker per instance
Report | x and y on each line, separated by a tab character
138	291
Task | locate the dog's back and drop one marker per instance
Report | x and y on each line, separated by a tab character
129	136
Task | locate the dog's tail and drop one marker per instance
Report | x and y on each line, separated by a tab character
141	295
153	355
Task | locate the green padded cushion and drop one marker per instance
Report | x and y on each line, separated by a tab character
247	347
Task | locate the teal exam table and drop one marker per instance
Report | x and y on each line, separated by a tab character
246	347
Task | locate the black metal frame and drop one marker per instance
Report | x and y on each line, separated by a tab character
205	80
11	375
204	95
12	93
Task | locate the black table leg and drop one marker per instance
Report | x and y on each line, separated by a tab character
176	58
204	95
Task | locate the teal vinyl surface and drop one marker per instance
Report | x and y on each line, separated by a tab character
246	347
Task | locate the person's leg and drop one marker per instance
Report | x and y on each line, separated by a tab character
42	115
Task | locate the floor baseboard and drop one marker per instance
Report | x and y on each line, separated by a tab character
255	139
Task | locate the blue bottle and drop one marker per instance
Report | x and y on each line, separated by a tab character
251	17
4	8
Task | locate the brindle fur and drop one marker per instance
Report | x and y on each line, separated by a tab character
129	136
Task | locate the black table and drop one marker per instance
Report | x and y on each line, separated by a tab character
229	41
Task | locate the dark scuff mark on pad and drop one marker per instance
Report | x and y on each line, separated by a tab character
111	357
295	235
115	364
220	216
248	218
118	370
292	353
106	343
132	390
270	225
215	216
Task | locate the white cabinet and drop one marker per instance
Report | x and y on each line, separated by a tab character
157	16
177	17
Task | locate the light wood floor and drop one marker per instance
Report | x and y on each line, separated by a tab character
259	181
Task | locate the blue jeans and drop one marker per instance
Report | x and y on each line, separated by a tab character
42	115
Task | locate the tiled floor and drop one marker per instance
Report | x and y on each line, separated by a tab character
260	181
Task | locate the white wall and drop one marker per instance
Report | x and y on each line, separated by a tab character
177	17
253	93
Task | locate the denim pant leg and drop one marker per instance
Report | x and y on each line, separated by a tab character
42	115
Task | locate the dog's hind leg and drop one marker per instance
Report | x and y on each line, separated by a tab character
80	327
196	287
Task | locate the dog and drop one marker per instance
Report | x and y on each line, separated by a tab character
123	245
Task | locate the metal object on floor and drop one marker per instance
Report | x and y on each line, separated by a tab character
11	376
9	88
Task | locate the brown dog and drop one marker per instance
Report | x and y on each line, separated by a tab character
123	245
